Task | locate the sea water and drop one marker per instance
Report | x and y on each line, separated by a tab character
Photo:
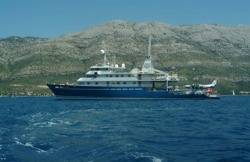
38	129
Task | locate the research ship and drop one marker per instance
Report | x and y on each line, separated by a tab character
109	80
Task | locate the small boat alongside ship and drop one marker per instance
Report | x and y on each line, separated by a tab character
113	81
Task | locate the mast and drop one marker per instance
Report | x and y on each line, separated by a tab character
149	47
105	57
103	51
147	66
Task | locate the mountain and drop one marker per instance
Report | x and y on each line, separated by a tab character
198	53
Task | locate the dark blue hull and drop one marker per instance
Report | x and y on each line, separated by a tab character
87	92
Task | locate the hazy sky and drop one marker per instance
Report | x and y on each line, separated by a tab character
51	18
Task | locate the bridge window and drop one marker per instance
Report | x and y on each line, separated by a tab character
124	82
117	82
95	69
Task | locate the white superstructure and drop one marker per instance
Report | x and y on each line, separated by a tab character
113	75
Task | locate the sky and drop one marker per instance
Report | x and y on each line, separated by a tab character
53	18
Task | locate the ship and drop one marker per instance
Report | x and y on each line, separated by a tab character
109	80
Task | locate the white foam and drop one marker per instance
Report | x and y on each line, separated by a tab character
45	124
17	141
64	122
38	116
64	112
2	158
153	158
50	124
36	148
67	123
28	144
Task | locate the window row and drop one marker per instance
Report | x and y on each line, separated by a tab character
118	75
107	75
96	83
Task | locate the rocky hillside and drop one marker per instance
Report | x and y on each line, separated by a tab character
199	53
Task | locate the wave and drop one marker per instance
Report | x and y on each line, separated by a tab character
51	123
2	156
45	124
30	145
143	157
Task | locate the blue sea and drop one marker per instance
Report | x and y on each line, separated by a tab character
44	129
